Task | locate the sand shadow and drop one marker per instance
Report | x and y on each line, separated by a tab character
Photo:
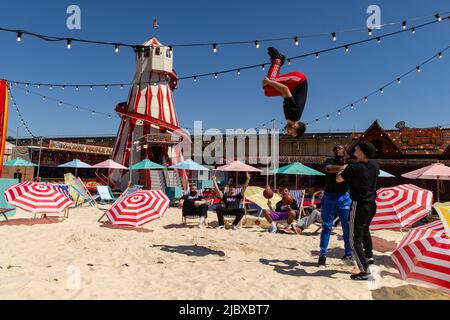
379	244
335	253
291	268
190	250
31	222
125	228
178	226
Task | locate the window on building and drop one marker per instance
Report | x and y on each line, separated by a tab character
158	51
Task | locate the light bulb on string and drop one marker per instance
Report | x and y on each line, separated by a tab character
352	106
215	75
51	87
121	86
263	67
195	79
366	99
333	36
296	40
317	55
19	36
91	88
116	48
413	30
28	92
289	61
328	117
418	69
257	44
44	97
106	87
77	88
404	25
63	87
440	55
339	112
398	80
214	47
381	90
347	48
438	17
69	43
379	40
369	31
60	103
238	72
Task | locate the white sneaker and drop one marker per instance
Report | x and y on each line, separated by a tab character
233	227
273	229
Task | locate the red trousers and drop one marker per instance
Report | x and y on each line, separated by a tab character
290	80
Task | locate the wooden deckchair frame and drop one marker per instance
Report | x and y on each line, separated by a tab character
113	198
88	198
4	211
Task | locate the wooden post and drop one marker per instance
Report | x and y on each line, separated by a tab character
438	190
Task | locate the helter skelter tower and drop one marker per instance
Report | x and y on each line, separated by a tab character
149	118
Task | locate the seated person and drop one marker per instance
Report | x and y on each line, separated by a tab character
231	203
193	204
283	211
312	217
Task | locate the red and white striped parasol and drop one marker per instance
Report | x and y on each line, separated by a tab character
38	197
423	256
399	207
139	208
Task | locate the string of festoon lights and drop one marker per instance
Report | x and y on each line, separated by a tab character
19	114
397	80
214	45
351	106
62	102
238	70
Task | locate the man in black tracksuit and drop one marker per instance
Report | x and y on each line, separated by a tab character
362	179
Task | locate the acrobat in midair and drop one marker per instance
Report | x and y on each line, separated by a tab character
293	87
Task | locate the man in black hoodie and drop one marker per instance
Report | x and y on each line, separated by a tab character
362	178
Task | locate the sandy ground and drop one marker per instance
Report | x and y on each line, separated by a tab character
79	258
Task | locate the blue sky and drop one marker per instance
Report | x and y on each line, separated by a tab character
336	79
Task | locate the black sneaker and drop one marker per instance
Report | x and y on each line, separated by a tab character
370	261
360	276
322	261
275	54
347	258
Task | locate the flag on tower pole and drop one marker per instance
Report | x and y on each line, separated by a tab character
3	119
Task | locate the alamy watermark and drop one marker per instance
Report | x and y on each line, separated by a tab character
73	21
214	147
374	20
73	281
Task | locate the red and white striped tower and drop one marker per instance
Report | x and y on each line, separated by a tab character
149	111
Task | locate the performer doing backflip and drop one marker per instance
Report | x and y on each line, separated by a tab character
293	87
